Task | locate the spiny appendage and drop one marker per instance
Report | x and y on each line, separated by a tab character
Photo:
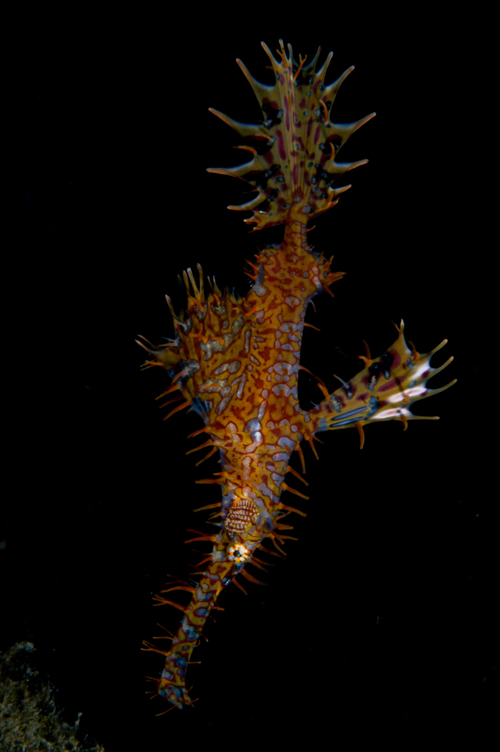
383	390
241	534
200	313
172	682
233	550
294	162
204	331
176	695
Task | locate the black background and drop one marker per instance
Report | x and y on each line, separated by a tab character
382	618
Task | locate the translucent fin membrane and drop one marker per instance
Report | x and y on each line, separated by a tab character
384	390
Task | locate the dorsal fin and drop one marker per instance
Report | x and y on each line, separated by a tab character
295	146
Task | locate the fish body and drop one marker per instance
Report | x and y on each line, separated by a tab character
236	361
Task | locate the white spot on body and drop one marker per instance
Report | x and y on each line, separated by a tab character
212	385
262	410
284	368
259	289
265	491
278	389
286	442
239	393
223	404
253	425
232	367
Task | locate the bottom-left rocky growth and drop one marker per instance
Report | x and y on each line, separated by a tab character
29	716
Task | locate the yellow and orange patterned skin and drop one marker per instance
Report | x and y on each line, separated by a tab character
236	361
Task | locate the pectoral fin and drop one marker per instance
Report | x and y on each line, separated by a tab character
384	390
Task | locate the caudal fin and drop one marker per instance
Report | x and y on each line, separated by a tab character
294	147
